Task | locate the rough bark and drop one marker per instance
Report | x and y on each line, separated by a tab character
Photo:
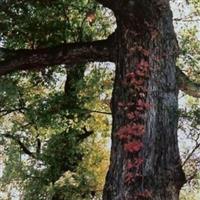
145	30
69	54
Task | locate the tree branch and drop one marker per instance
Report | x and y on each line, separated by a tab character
186	85
191	154
73	53
7	112
188	19
22	145
85	135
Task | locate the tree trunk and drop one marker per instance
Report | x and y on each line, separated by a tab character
145	38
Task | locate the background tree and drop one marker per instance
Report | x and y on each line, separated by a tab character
47	116
187	28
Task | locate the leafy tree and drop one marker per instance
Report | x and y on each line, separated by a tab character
189	115
145	161
57	142
40	121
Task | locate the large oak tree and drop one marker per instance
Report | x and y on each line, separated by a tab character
144	36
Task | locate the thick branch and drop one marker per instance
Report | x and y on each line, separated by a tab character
22	145
186	85
73	53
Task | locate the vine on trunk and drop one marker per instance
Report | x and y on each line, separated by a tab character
132	132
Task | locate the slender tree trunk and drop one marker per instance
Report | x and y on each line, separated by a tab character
145	36
71	101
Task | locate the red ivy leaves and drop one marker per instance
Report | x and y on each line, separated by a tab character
129	178
136	164
145	52
143	65
125	106
146	194
142	105
131	134
130	165
142	70
133	147
136	82
130	75
136	115
130	130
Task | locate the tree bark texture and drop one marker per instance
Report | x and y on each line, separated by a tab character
145	32
68	54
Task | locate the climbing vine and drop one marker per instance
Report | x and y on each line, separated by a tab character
131	134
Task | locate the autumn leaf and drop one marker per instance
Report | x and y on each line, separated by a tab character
133	147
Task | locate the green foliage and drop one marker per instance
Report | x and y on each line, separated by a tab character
190	51
191	190
189	62
54	112
29	24
196	6
59	125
